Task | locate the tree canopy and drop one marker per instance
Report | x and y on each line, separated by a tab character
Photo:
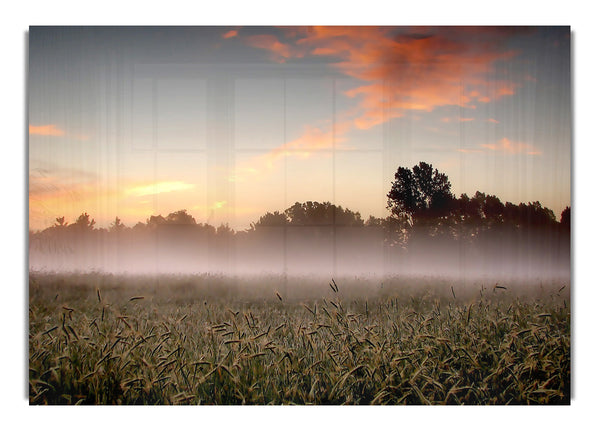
420	193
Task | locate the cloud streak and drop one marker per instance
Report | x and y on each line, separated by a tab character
46	130
157	188
313	140
505	146
512	147
279	52
230	34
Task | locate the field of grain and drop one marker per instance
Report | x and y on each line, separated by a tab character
104	339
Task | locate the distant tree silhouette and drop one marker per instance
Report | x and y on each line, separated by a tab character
180	217
83	222
493	209
60	222
321	214
469	209
155	221
139	226
275	219
480	210
565	217
116	226
374	222
224	231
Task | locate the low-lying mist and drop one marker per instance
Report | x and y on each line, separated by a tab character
299	251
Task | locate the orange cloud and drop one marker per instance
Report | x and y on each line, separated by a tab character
52	188
419	72
280	52
506	146
312	141
511	147
492	120
46	130
398	73
230	34
403	72
457	119
58	183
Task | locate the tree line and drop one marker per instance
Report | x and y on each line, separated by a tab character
420	202
426	221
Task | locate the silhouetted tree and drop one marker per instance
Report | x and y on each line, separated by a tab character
565	217
493	209
155	221
83	222
116	226
60	222
322	214
180	217
420	194
225	231
271	220
139	226
534	215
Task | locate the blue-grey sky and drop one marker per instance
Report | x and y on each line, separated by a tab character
231	122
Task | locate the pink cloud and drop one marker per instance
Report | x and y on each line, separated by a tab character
404	72
512	147
398	73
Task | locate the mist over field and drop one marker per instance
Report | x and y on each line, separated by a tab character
301	251
429	233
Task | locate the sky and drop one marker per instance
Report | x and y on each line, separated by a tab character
232	122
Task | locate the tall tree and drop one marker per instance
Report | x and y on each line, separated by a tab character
419	194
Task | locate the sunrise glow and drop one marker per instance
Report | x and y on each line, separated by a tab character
239	121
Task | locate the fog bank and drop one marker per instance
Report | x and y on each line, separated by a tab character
300	251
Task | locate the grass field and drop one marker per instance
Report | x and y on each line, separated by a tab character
105	339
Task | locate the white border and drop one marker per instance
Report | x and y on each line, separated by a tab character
15	21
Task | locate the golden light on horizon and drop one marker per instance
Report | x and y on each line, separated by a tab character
160	187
